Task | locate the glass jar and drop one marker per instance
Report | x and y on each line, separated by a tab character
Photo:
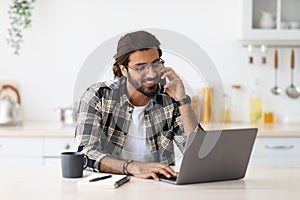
225	112
236	106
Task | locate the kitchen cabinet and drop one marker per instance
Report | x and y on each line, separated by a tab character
255	17
21	151
35	143
33	151
38	151
276	151
54	146
40	143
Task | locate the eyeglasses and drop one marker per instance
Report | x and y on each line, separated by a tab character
143	69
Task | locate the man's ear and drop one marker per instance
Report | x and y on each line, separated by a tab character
123	70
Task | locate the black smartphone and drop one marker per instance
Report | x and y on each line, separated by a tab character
162	82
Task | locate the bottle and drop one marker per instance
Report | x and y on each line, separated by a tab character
256	104
236	108
207	110
225	112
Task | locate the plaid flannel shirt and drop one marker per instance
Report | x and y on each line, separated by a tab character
104	117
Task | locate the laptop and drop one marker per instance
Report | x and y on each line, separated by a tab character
217	155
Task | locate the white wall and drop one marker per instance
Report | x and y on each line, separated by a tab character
65	32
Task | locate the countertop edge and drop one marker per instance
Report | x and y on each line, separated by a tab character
56	129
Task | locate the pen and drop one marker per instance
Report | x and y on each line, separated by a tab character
100	178
121	181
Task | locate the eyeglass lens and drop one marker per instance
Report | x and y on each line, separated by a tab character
144	69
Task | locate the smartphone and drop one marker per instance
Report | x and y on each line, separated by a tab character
162	83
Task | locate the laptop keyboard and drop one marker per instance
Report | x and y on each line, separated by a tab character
161	176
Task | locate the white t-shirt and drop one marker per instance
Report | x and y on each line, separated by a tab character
137	146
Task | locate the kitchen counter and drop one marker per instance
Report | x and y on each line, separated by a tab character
56	129
265	183
264	130
38	129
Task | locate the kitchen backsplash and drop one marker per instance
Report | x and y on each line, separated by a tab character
58	43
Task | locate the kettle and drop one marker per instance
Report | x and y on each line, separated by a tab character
10	111
66	115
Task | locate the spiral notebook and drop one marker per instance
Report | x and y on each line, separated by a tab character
114	181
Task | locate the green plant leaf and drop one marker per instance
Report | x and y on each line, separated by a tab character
20	18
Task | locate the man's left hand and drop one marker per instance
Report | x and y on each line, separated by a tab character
174	87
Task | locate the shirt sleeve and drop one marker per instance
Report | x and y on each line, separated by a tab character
88	130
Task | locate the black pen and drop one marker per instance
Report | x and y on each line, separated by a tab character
121	181
99	178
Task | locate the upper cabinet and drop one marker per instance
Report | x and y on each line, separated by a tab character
269	22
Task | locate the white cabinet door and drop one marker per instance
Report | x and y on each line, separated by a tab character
276	152
54	146
23	151
253	25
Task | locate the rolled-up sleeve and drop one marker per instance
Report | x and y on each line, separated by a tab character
88	128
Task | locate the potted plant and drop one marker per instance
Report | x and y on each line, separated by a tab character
20	14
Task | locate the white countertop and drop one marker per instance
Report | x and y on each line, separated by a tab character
38	129
46	183
56	129
264	130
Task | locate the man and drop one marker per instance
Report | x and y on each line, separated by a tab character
128	125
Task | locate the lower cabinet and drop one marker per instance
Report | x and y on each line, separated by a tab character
21	151
276	151
33	151
54	146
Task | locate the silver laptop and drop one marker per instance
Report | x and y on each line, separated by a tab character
217	155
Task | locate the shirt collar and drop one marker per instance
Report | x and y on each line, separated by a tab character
123	92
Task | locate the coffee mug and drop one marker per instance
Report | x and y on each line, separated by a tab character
73	164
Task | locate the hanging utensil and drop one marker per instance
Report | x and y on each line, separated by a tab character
276	90
293	91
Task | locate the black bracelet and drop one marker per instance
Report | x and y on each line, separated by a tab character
184	101
126	163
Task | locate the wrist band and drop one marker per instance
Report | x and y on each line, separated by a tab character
126	163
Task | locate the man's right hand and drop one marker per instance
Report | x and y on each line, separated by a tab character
148	170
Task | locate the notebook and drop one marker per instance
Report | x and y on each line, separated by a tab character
113	182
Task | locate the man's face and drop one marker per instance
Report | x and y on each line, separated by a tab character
146	84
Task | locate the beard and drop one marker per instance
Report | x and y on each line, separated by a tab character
147	91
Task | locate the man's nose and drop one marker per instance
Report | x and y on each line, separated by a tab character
151	73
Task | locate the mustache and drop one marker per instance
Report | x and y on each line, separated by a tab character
151	79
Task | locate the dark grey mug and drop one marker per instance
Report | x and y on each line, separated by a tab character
73	164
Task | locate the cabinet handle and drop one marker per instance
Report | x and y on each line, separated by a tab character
52	157
284	147
67	147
